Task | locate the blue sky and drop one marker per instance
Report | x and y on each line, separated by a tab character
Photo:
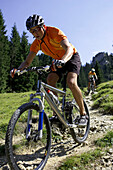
88	24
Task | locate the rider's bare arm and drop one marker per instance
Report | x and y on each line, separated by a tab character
28	61
96	77
68	50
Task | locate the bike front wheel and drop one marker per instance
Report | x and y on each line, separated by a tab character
79	134
23	153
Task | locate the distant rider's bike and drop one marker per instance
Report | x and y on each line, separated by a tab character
92	87
28	137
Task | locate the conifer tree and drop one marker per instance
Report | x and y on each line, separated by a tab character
44	59
14	55
111	66
4	56
82	78
87	69
99	73
27	80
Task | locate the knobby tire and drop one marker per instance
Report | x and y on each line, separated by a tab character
40	149
80	134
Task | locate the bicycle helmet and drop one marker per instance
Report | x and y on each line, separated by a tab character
34	20
93	70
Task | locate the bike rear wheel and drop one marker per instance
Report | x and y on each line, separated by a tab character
20	152
79	134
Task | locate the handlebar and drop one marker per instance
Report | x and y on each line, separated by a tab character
47	68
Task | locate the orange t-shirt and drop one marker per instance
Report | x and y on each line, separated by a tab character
92	74
50	45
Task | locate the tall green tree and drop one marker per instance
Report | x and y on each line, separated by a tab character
87	69
82	78
44	59
99	73
4	56
111	66
106	67
14	54
26	81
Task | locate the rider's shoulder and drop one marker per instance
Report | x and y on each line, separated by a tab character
92	73
54	30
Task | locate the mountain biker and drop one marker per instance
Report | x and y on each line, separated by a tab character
53	42
94	77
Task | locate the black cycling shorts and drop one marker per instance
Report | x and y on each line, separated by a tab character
73	65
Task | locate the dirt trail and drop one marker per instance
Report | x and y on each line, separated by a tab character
99	126
67	147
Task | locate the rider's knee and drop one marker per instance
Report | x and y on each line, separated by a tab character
52	79
72	84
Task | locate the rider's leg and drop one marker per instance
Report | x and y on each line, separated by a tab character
94	84
72	84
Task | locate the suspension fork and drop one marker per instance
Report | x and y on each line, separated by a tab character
40	125
41	115
40	122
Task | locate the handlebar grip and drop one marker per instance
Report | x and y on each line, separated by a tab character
12	72
59	64
47	68
21	72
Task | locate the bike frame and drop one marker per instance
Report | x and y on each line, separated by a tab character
41	91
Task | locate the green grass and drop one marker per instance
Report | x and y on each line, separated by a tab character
106	141
9	102
81	162
103	99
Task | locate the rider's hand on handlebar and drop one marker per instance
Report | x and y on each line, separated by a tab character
57	64
12	72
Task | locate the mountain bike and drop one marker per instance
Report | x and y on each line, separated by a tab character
28	136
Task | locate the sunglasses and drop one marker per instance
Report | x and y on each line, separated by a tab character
35	30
